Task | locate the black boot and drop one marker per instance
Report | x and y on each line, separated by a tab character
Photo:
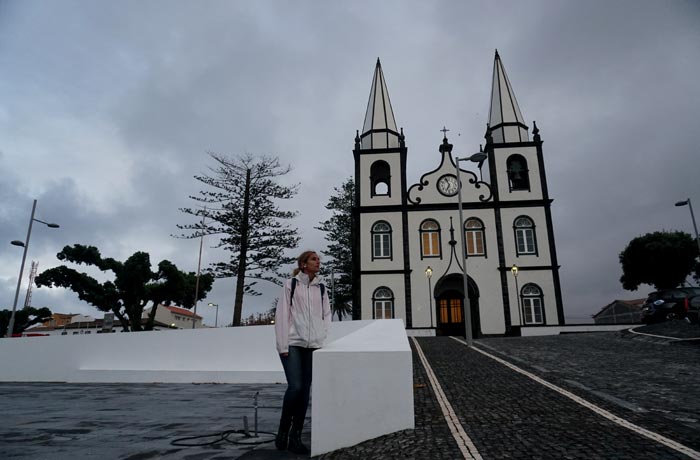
283	434
295	444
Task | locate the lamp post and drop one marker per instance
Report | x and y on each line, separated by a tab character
478	157
332	290
429	274
25	245
514	271
216	319
692	216
199	271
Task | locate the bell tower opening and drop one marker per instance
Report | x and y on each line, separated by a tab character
380	178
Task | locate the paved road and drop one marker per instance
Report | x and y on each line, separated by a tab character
504	413
127	421
507	415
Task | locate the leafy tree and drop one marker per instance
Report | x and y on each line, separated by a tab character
260	318
241	206
338	230
661	259
133	287
24	319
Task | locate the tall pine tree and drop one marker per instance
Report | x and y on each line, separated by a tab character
241	206
339	236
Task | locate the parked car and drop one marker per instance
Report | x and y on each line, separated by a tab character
667	304
693	313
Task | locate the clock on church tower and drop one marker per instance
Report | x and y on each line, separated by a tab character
447	185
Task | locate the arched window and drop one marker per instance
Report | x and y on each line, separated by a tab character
525	241
474	237
380	178
381	240
533	304
518	174
430	238
383	303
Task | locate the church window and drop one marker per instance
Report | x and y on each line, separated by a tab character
474	237
381	240
380	178
533	304
518	174
430	238
383	302
525	241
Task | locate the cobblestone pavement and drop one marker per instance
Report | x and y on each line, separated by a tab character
674	328
431	438
653	384
507	415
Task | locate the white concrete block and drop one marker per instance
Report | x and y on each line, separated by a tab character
362	387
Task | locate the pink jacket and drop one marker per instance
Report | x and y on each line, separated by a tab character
303	322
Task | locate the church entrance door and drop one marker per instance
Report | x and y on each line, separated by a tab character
450	306
450	314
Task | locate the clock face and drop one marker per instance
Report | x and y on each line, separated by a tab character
447	185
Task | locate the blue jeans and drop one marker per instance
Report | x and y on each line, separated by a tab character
297	368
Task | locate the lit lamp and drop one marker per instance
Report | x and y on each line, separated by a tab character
514	271
692	216
216	319
429	274
478	157
25	245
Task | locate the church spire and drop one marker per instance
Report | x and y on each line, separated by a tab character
379	130
505	120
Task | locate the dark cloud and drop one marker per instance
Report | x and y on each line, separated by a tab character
109	111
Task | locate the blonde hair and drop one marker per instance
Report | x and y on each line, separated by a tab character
301	261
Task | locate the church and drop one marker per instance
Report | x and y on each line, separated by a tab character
409	241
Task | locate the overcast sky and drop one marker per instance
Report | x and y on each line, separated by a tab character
107	110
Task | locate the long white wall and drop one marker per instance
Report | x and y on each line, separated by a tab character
362	382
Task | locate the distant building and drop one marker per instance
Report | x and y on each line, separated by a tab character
620	312
167	317
67	324
175	317
59	320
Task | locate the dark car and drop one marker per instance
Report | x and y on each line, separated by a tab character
693	313
667	304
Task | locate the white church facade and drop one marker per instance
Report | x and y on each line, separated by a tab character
402	232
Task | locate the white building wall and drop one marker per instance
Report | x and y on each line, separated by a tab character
367	220
508	216
488	279
483	270
395	282
545	281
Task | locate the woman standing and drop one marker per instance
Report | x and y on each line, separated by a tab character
302	319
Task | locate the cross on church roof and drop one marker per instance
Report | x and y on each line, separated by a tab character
444	131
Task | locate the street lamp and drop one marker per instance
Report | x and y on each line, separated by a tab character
478	157
692	216
514	271
25	245
429	274
216	319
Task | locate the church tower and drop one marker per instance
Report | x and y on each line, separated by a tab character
380	270
523	209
